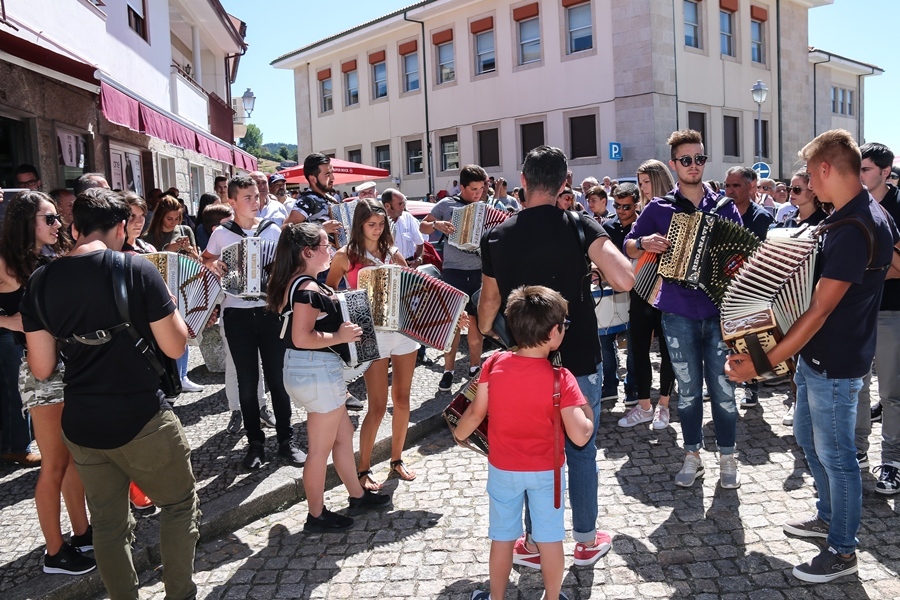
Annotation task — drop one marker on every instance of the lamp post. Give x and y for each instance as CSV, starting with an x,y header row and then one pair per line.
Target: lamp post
x,y
759,91
249,101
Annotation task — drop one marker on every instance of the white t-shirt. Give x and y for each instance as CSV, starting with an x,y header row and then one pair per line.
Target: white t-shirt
x,y
221,237
274,211
406,234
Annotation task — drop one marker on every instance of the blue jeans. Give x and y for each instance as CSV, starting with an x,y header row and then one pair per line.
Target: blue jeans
x,y
698,352
182,362
610,357
824,423
16,432
582,478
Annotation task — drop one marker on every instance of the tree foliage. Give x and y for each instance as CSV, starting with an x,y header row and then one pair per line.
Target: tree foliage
x,y
252,140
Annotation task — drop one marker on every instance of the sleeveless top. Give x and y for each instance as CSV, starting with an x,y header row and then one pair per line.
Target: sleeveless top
x,y
353,274
328,321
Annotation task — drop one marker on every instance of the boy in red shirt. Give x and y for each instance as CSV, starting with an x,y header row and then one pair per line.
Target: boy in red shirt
x,y
516,389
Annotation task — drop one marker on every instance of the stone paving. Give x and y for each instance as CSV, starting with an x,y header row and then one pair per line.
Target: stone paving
x,y
704,542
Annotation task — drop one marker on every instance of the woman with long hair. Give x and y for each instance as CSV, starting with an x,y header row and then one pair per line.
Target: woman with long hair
x,y
34,234
371,244
313,373
133,241
654,180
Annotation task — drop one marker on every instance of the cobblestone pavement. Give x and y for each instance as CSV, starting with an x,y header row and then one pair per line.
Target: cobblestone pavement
x,y
703,542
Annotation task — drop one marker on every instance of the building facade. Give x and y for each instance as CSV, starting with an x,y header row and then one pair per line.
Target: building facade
x,y
137,89
447,82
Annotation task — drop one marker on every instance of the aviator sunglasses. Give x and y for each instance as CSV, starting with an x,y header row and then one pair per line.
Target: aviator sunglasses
x,y
686,161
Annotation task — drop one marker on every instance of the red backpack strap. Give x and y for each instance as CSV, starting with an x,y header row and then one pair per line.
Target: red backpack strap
x,y
557,439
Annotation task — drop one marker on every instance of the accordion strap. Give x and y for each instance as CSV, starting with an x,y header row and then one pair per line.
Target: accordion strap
x,y
557,439
286,315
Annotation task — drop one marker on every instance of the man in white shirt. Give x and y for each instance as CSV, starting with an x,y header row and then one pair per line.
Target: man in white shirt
x,y
404,227
269,206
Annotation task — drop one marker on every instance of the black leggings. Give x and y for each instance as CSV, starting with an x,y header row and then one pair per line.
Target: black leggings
x,y
644,321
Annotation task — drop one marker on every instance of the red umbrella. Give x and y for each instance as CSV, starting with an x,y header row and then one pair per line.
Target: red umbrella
x,y
344,172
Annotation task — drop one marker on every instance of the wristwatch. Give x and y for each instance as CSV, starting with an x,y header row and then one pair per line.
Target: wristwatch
x,y
639,243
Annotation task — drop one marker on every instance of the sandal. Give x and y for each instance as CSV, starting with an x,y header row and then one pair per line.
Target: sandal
x,y
370,484
402,472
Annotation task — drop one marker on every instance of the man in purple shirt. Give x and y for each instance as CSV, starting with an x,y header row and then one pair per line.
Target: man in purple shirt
x,y
690,319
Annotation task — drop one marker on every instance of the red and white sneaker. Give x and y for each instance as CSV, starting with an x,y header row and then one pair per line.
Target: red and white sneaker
x,y
139,499
587,555
524,558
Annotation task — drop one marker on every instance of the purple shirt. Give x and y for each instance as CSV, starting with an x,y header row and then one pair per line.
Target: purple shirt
x,y
655,218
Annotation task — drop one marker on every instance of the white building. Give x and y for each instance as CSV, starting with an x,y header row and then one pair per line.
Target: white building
x,y
136,89
443,83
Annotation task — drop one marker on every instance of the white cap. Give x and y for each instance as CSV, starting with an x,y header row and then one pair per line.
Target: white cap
x,y
368,185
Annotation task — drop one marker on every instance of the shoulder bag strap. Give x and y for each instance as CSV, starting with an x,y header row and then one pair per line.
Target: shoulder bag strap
x,y
262,226
120,263
557,439
234,228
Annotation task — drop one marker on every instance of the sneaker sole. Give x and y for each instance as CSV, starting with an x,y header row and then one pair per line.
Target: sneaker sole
x,y
527,562
586,562
660,426
634,424
699,473
812,578
887,492
317,529
444,389
745,406
804,533
729,487
59,571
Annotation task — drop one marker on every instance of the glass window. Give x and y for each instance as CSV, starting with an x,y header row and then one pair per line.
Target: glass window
x,y
354,156
834,106
529,41
351,80
850,102
198,186
411,72
581,35
841,101
489,147
379,80
484,52
757,49
726,35
449,153
413,157
383,157
166,171
691,24
732,137
136,17
327,101
583,136
532,137
697,122
446,64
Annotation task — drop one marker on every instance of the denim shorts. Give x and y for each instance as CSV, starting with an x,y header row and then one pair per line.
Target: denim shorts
x,y
507,491
392,343
315,380
40,393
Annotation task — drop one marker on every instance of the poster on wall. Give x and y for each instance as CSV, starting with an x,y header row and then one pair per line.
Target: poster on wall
x,y
68,148
133,179
117,162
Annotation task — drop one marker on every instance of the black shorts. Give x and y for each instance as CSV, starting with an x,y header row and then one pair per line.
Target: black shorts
x,y
467,282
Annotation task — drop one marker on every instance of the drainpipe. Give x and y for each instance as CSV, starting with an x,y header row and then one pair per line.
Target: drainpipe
x,y
427,120
816,95
778,84
859,110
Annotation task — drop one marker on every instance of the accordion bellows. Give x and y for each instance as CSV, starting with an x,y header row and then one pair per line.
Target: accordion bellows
x,y
246,274
196,288
417,305
470,223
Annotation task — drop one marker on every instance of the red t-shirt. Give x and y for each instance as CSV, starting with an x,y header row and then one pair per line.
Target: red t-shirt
x,y
520,407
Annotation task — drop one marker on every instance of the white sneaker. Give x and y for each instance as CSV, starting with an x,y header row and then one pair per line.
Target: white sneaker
x,y
636,416
690,471
661,417
729,476
189,386
788,419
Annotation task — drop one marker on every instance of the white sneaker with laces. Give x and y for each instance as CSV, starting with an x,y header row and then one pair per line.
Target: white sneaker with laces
x,y
729,476
690,471
636,416
661,417
188,386
788,419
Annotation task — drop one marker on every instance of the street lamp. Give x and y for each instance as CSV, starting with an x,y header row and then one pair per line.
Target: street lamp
x,y
249,100
759,91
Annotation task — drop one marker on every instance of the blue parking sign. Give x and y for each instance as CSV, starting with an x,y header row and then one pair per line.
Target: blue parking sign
x,y
615,151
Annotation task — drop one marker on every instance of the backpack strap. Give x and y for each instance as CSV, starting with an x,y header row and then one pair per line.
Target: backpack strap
x,y
234,228
723,202
574,220
262,226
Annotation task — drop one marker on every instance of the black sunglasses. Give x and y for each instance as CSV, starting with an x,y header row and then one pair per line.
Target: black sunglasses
x,y
686,161
796,189
564,326
50,219
618,206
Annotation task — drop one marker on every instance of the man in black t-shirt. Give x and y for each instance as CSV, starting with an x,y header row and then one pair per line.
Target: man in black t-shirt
x,y
115,424
540,246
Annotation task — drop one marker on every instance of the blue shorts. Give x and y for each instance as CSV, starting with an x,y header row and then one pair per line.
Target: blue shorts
x,y
507,490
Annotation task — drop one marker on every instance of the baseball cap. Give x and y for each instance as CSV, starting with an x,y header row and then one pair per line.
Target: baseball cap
x,y
276,177
368,185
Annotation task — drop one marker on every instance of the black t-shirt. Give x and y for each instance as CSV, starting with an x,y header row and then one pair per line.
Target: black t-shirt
x,y
845,345
617,232
890,299
539,246
757,220
328,322
110,389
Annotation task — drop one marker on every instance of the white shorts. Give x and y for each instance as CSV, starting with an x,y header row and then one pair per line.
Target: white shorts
x,y
391,343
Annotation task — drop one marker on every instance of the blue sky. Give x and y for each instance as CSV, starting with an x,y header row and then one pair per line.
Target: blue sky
x,y
864,30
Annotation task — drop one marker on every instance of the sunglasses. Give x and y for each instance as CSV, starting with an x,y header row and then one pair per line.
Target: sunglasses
x,y
765,187
564,326
796,189
618,206
50,219
686,161
28,183
894,176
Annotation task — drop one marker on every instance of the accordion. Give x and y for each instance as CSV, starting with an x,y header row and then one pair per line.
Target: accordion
x,y
470,223
247,267
196,288
478,441
417,305
343,212
355,309
706,252
769,293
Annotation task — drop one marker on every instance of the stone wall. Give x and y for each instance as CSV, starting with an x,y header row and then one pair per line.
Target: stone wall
x,y
796,87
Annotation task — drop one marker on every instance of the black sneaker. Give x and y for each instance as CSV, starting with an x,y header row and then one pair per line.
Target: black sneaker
x,y
875,412
446,381
863,458
828,565
353,403
256,456
327,522
809,527
291,451
631,398
889,481
83,542
750,399
368,501
68,561
235,422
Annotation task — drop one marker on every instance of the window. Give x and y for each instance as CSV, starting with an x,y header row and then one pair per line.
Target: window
x,y
697,122
383,157
166,171
449,153
726,35
532,137
198,185
327,101
446,64
529,41
484,52
581,36
848,94
732,136
761,139
379,80
351,82
413,157
354,156
757,49
842,101
489,147
583,136
411,72
691,24
136,19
